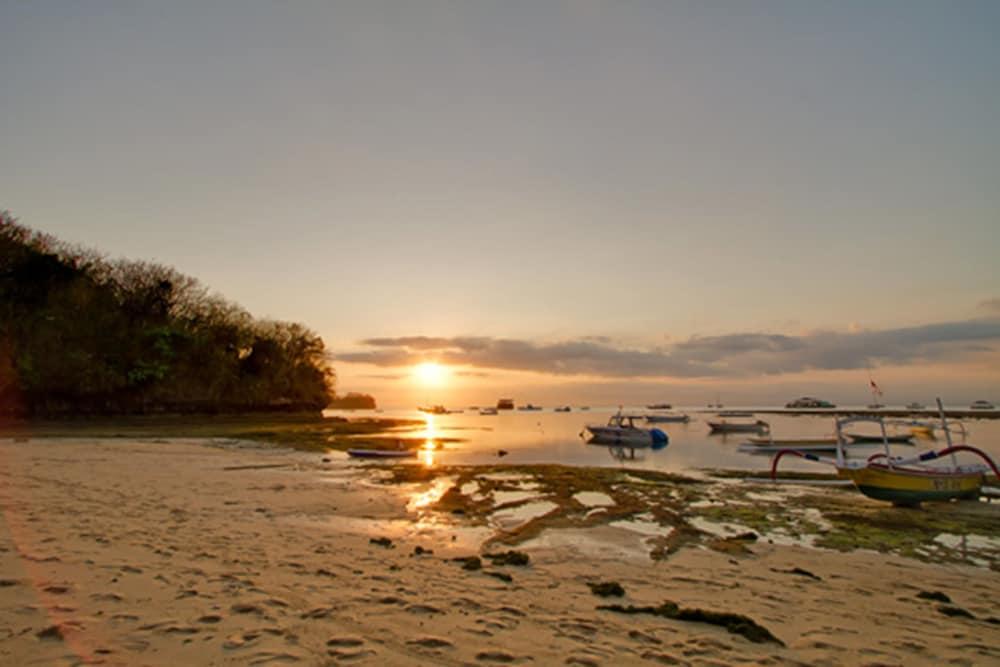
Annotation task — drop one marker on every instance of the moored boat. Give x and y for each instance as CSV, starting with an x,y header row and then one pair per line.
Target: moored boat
x,y
668,419
622,430
505,404
529,408
725,426
434,410
659,406
982,405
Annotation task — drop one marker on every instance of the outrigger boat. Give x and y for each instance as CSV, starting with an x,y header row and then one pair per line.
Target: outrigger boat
x,y
906,481
621,430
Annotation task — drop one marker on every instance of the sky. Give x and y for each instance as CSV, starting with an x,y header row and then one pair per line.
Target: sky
x,y
561,201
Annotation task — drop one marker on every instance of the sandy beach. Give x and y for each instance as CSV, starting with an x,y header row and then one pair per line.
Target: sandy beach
x,y
194,552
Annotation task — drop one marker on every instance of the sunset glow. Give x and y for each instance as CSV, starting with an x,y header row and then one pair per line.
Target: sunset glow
x,y
430,373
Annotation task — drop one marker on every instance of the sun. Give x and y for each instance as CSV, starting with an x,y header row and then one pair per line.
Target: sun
x,y
430,373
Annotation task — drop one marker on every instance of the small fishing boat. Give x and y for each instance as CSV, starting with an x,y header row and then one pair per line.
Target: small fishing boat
x,y
381,453
725,426
809,402
529,408
434,410
659,406
564,408
489,411
982,405
505,404
905,481
916,406
622,430
668,419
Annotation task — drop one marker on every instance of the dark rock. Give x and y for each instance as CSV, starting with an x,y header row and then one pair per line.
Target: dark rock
x,y
470,562
431,642
502,576
381,541
937,596
735,623
798,571
607,589
51,632
954,611
509,558
502,453
419,551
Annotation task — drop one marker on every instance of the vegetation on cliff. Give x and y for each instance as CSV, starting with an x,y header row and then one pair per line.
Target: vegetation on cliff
x,y
83,334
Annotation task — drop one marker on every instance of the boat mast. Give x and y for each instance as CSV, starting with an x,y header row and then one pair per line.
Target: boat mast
x,y
947,430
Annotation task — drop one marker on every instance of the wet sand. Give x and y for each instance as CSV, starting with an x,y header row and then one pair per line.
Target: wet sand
x,y
199,553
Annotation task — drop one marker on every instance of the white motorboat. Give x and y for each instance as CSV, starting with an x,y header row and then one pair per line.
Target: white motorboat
x,y
488,411
982,405
621,430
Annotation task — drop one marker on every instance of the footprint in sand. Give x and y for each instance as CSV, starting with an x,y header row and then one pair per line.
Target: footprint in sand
x,y
430,642
347,649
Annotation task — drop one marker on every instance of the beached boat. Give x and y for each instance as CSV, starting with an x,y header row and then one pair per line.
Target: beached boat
x,y
668,419
381,453
622,430
905,480
726,426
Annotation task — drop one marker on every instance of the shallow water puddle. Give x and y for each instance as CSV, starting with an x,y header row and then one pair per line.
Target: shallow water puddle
x,y
421,499
504,497
593,499
515,516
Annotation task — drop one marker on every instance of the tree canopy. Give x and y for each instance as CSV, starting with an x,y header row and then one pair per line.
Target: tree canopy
x,y
83,334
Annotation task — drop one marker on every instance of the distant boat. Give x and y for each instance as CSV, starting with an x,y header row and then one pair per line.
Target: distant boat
x,y
434,410
735,413
564,408
982,405
530,408
488,411
916,406
801,444
738,426
381,453
896,438
668,419
875,406
621,430
505,404
584,408
809,402
659,406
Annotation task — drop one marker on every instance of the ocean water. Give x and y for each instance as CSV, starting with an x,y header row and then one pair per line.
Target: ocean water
x,y
551,437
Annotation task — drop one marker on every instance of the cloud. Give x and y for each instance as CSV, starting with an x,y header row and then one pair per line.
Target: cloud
x,y
731,355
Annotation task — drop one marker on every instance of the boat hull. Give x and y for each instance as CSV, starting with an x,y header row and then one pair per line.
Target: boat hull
x,y
903,486
631,437
726,427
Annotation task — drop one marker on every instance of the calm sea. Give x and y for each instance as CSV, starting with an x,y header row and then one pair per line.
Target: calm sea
x,y
551,437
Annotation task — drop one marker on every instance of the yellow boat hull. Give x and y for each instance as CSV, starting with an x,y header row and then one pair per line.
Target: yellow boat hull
x,y
907,486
